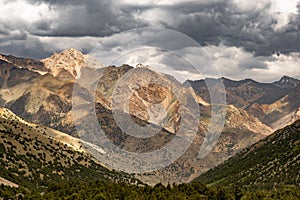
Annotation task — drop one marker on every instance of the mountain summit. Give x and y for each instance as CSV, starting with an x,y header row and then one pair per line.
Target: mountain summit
x,y
287,82
65,65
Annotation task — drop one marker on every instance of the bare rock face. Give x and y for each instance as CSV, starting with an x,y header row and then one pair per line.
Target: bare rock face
x,y
240,119
45,100
65,65
142,93
138,108
153,93
279,113
288,119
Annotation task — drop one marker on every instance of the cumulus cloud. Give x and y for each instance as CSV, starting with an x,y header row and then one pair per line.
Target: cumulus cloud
x,y
236,63
184,59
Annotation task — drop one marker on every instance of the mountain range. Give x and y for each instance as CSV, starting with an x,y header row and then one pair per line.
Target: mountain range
x,y
275,104
40,92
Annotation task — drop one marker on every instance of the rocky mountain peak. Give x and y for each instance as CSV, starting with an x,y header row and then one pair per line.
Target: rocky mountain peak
x,y
66,64
286,78
73,53
287,82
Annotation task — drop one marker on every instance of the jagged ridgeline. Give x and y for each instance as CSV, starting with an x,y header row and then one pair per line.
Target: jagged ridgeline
x,y
270,163
35,156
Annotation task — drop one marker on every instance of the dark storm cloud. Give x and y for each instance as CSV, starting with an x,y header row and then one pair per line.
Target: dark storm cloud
x,y
31,48
223,21
252,64
208,22
85,18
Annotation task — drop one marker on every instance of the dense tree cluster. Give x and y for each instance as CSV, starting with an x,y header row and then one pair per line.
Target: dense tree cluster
x,y
110,190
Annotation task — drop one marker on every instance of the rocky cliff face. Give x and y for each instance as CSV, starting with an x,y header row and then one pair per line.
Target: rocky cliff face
x,y
65,65
142,93
240,119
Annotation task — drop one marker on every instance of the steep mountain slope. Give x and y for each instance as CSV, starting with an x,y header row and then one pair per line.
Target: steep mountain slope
x,y
151,95
236,135
35,156
295,116
42,99
27,63
279,113
272,162
270,102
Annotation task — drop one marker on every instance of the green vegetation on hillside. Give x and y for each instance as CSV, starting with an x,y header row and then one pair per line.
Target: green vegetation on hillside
x,y
74,175
273,162
30,158
45,168
110,190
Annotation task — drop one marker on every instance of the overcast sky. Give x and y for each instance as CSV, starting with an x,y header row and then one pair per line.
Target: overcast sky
x,y
242,37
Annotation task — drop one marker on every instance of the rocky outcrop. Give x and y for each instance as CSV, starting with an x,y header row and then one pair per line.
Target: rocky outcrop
x,y
65,65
